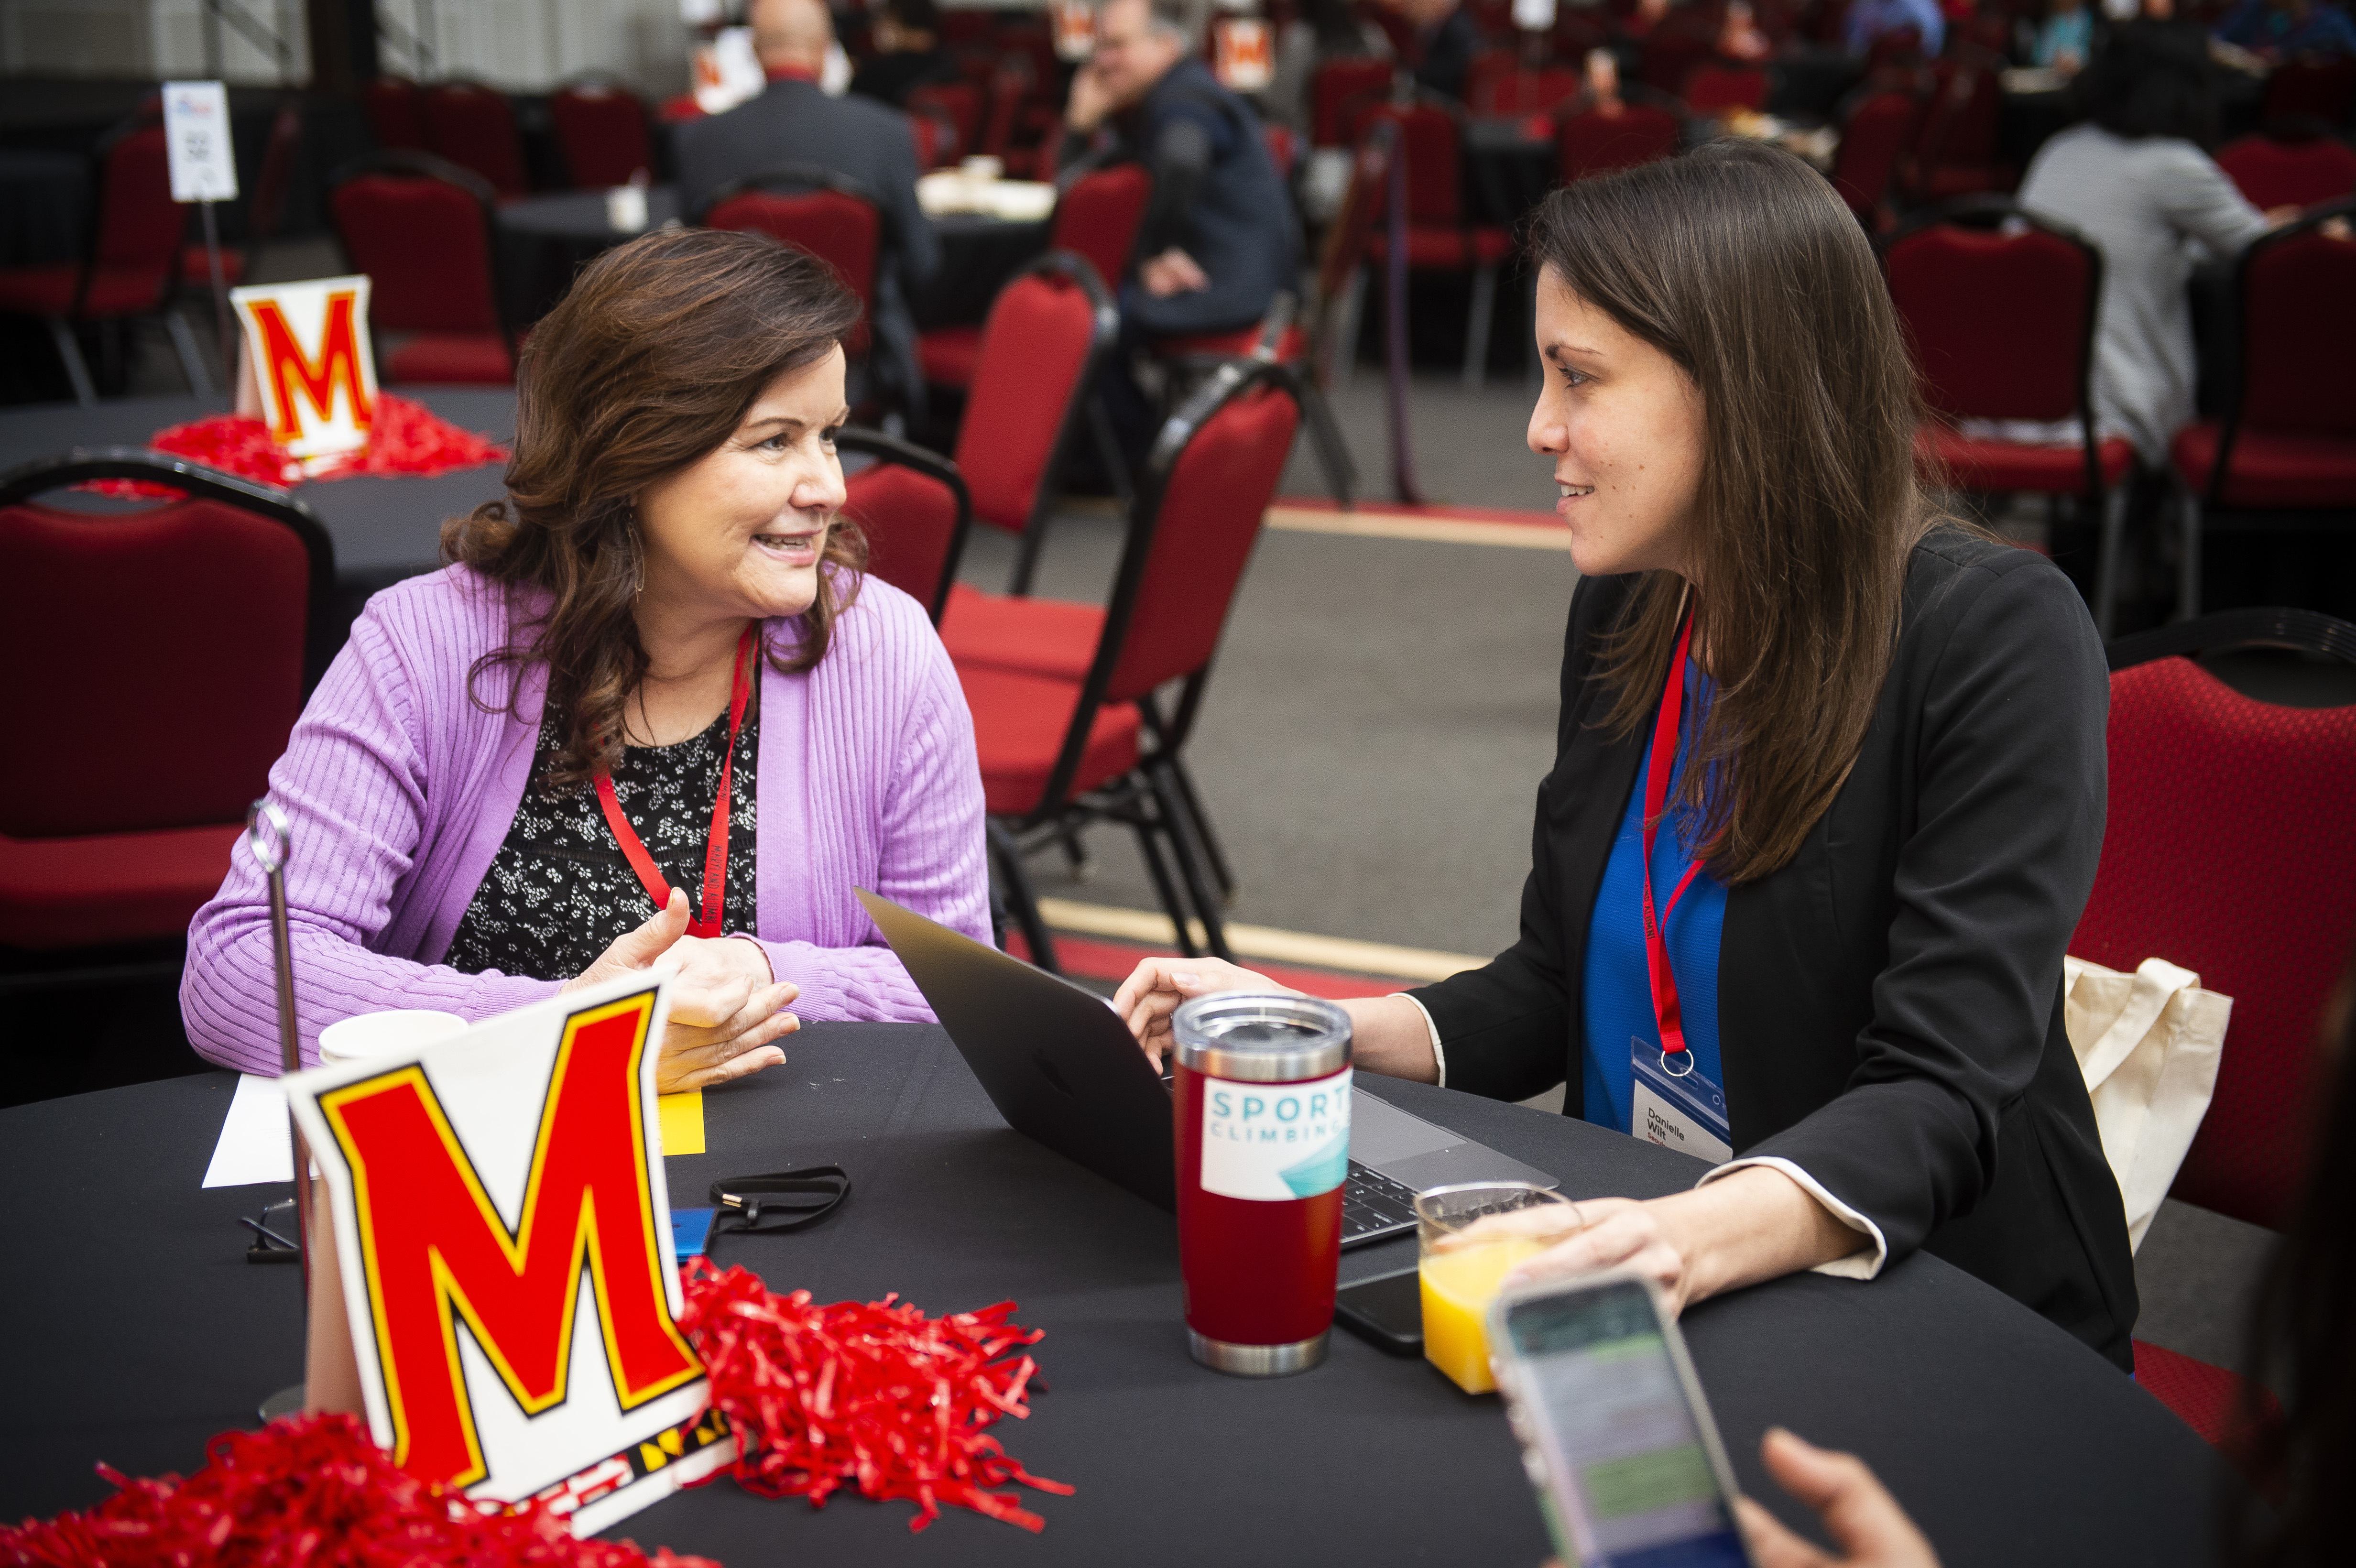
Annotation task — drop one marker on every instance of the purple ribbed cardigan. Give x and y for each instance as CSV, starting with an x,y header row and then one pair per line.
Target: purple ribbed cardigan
x,y
399,789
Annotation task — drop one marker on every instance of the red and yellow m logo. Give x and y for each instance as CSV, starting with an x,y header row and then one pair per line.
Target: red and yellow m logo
x,y
291,371
435,1250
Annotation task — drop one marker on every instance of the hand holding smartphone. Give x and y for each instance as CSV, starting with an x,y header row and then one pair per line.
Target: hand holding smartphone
x,y
1615,1434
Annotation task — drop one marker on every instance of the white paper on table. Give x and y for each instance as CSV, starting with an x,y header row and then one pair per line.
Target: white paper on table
x,y
254,1145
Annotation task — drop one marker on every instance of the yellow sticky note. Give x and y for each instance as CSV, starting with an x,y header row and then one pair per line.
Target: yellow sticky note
x,y
683,1122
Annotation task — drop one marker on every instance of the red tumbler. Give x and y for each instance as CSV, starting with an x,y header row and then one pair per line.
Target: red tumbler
x,y
1263,1136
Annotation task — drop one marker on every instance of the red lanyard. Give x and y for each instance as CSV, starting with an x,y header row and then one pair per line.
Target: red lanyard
x,y
715,853
1666,1010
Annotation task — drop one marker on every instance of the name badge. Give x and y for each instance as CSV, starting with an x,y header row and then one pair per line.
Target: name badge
x,y
1682,1111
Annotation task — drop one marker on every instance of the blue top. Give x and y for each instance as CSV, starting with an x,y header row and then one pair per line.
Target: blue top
x,y
2255,24
1868,19
1616,991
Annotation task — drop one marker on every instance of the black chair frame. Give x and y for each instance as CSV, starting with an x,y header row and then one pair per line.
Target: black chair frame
x,y
1155,799
2109,505
426,166
885,448
321,633
2204,507
2229,631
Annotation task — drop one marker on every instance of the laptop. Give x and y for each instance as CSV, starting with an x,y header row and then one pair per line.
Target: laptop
x,y
1062,1068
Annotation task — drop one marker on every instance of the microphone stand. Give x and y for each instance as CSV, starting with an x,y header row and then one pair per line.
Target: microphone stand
x,y
266,837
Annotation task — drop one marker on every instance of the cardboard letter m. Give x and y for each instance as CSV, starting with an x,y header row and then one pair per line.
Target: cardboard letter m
x,y
504,1240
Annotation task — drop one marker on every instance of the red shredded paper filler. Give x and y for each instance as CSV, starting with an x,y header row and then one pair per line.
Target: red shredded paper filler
x,y
312,1490
875,1394
405,439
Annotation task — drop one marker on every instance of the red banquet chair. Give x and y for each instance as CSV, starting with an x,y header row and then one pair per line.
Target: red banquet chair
x,y
128,266
1954,151
2309,92
913,506
601,129
1871,144
1441,237
474,127
1049,329
2229,849
396,114
1057,753
831,215
423,232
1715,89
2273,173
1340,91
2284,457
1593,142
101,848
1500,83
958,102
2002,325
1097,218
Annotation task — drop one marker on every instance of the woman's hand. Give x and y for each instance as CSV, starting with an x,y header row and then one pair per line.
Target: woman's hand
x,y
724,1007
1755,1225
1857,1511
1156,986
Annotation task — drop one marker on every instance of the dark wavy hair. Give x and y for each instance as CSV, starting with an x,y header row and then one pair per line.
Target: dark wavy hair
x,y
1738,262
650,361
2150,78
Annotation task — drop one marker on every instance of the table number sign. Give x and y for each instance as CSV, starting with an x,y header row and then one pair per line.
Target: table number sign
x,y
314,372
1073,26
503,1241
197,149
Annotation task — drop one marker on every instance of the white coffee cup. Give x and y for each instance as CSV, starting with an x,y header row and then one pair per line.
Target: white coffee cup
x,y
983,168
625,209
396,1028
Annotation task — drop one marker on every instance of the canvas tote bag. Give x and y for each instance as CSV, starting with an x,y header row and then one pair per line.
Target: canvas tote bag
x,y
2149,1044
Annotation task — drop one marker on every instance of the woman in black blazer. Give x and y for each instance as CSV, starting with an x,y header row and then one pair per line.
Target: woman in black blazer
x,y
1863,892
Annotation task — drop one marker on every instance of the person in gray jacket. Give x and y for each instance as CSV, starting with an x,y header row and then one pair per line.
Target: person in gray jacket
x,y
793,122
2132,177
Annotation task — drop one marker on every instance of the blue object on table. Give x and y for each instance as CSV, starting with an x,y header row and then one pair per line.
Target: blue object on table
x,y
689,1229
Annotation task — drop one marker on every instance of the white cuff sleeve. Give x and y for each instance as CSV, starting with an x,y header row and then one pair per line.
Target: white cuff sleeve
x,y
1863,1263
1439,1056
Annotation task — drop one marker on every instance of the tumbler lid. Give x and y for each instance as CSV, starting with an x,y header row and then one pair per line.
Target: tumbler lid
x,y
1257,1039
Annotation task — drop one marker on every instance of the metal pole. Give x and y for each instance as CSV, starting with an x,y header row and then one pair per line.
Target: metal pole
x,y
1395,379
266,835
220,303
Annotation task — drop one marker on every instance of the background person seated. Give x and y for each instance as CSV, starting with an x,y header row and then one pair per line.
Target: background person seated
x,y
506,782
2284,29
1446,41
793,122
1219,239
1868,19
908,53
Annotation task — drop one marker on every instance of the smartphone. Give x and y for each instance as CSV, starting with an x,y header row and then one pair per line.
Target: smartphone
x,y
1615,1434
1386,1310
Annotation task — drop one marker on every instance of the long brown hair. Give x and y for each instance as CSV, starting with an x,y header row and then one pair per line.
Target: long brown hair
x,y
1741,264
648,365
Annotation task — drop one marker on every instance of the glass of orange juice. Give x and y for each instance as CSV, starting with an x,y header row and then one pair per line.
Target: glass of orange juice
x,y
1460,1274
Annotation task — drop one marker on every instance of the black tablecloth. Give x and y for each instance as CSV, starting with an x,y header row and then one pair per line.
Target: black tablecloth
x,y
978,255
545,240
383,529
135,1330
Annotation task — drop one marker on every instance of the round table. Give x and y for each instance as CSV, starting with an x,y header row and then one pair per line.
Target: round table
x,y
139,1331
383,529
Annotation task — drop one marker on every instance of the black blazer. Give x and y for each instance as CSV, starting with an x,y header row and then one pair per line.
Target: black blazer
x,y
1889,1002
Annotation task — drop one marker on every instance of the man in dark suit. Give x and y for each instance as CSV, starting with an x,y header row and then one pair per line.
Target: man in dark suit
x,y
1219,239
794,122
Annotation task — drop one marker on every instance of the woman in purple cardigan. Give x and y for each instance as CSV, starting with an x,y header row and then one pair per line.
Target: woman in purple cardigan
x,y
511,779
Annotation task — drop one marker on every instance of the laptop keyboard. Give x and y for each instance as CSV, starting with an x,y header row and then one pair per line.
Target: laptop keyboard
x,y
1374,1205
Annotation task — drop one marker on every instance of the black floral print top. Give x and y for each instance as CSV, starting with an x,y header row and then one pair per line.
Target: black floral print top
x,y
560,892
